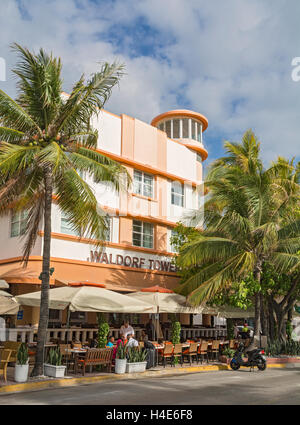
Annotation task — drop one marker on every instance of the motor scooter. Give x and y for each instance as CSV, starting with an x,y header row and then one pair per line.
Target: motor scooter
x,y
255,358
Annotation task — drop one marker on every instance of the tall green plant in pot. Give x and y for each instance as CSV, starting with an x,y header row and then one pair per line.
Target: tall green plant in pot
x,y
176,330
121,359
22,364
54,366
103,330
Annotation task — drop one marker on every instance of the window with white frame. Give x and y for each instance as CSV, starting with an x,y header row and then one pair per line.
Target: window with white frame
x,y
177,194
173,234
108,232
142,234
143,184
66,226
18,223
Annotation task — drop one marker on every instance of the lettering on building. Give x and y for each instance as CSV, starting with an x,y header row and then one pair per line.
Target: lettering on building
x,y
132,261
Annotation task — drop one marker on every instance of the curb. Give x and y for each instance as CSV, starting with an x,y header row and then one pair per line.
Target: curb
x,y
57,383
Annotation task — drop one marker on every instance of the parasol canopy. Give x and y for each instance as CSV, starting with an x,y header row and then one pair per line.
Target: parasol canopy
x,y
8,305
165,301
87,297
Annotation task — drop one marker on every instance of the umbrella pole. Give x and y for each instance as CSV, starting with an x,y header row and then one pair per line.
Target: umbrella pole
x,y
68,326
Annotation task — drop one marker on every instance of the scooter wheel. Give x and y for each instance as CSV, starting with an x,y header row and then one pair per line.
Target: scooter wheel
x,y
262,366
234,365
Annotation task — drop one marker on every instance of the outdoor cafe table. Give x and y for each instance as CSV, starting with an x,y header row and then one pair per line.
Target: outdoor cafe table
x,y
75,352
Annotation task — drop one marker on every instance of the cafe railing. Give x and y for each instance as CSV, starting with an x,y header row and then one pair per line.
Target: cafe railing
x,y
26,334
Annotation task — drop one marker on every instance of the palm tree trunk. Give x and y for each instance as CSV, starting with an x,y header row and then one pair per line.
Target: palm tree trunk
x,y
44,308
257,323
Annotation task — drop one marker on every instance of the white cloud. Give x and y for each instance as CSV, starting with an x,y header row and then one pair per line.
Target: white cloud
x,y
229,60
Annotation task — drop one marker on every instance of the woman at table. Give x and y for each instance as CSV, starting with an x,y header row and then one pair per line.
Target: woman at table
x,y
110,342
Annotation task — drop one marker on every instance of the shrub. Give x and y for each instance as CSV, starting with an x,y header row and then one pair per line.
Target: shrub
x,y
121,352
228,352
135,355
22,355
55,357
289,348
103,330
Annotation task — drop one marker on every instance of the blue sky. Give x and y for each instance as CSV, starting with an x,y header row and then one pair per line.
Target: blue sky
x,y
230,61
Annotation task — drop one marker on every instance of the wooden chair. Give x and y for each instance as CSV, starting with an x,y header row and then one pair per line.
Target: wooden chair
x,y
66,355
177,352
167,353
232,344
5,358
14,347
214,350
192,352
202,350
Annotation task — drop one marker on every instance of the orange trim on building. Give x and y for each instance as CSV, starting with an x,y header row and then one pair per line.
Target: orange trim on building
x,y
124,246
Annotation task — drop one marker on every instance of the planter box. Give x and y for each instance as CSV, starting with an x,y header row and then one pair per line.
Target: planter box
x,y
224,359
136,367
21,372
120,366
54,371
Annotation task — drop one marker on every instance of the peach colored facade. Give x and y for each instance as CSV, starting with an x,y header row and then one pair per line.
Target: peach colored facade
x,y
138,252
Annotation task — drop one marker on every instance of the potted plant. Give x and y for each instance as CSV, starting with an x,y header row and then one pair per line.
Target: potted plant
x,y
22,364
136,360
227,355
54,367
121,360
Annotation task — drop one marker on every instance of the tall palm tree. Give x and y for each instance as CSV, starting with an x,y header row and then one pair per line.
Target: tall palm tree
x,y
246,223
46,143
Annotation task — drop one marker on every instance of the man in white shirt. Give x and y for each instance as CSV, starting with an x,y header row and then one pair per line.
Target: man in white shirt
x,y
126,329
131,341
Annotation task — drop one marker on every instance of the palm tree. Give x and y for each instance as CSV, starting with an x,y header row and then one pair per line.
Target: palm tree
x,y
47,142
246,223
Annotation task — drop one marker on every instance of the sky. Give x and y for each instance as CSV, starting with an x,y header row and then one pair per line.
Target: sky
x,y
229,60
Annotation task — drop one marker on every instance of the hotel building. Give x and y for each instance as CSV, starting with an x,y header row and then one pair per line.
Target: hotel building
x,y
164,160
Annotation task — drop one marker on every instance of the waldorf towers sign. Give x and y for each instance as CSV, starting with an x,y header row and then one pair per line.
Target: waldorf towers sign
x,y
135,261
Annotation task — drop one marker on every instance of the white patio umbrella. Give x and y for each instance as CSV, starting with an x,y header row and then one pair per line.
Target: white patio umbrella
x,y
3,284
8,305
234,312
87,298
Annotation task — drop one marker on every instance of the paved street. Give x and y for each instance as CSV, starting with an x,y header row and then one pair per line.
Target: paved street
x,y
274,386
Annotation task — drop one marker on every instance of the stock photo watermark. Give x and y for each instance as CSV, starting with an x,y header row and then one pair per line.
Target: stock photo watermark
x,y
2,69
296,71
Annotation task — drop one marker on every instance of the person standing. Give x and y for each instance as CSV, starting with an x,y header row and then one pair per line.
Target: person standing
x,y
126,329
236,331
150,330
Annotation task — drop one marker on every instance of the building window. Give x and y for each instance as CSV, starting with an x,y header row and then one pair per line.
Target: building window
x,y
199,158
185,128
177,194
142,234
108,232
176,134
77,317
66,226
172,235
143,184
168,129
18,223
55,315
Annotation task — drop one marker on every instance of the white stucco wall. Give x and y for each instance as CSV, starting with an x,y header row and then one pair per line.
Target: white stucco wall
x,y
13,247
181,161
109,128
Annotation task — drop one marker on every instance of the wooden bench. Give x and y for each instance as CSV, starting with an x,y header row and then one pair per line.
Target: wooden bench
x,y
95,357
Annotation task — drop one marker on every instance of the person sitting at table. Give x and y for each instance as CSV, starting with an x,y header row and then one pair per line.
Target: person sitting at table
x,y
126,329
132,342
110,342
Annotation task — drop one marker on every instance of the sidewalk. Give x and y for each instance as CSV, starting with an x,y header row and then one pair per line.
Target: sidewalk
x,y
46,382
